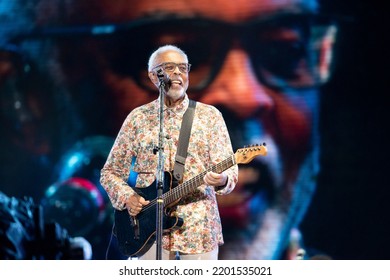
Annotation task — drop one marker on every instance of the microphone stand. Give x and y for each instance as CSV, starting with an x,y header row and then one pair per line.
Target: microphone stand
x,y
160,172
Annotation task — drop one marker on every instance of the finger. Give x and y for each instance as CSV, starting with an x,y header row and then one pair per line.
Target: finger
x,y
131,212
143,201
209,181
205,179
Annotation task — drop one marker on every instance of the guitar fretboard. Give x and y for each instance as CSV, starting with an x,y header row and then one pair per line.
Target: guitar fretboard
x,y
241,156
191,185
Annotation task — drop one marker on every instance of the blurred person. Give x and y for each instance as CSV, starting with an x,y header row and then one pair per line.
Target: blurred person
x,y
35,124
26,235
259,62
30,112
209,144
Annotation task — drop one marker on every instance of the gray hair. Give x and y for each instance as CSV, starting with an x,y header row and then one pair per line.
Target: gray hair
x,y
161,50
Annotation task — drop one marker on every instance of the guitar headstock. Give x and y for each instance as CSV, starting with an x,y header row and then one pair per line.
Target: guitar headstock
x,y
247,154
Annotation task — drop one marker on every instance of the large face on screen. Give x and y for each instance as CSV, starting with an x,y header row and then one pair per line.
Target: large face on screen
x,y
259,62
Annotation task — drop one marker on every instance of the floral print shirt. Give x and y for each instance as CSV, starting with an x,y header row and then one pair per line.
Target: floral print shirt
x,y
209,144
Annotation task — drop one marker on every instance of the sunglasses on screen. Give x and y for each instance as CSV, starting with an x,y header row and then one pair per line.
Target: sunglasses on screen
x,y
289,50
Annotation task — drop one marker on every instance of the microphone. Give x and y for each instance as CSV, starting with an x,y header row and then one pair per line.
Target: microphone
x,y
300,254
163,77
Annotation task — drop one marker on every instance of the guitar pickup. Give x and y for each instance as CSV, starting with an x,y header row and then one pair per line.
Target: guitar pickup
x,y
135,226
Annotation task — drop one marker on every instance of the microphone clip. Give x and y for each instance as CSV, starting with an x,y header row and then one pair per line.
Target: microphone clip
x,y
163,78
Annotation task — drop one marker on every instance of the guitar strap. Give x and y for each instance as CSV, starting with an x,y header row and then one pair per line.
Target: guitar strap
x,y
184,136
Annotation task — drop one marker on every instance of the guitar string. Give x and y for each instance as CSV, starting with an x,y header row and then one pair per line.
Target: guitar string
x,y
225,164
175,191
197,179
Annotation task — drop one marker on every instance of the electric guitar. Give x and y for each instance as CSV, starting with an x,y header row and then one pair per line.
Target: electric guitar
x,y
136,235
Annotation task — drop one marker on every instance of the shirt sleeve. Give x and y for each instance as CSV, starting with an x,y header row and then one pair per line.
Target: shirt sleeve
x,y
115,172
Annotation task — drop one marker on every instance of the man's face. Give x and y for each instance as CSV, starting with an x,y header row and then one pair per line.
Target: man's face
x,y
258,71
178,78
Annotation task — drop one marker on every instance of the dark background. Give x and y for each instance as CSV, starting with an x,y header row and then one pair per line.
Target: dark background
x,y
349,214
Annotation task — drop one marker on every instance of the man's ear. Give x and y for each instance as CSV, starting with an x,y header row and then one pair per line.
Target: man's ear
x,y
153,77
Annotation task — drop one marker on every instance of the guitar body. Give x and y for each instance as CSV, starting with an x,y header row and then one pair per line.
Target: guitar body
x,y
136,235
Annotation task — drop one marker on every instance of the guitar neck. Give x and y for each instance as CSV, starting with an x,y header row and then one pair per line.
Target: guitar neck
x,y
191,185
